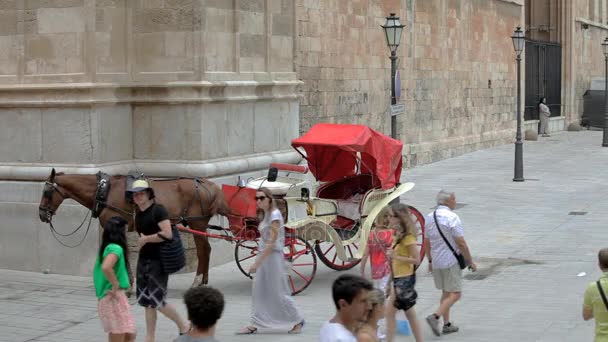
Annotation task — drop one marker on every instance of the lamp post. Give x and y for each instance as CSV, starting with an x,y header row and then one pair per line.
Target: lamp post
x,y
605,137
392,31
518,43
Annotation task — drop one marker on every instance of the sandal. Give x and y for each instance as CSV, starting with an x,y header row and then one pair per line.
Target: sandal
x,y
247,331
297,329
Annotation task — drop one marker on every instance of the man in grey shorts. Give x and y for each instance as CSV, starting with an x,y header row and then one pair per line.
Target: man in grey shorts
x,y
442,262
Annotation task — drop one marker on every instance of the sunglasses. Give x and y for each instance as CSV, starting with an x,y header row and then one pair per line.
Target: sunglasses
x,y
260,198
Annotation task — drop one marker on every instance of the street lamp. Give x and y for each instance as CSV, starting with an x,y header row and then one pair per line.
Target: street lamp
x,y
518,43
392,31
605,138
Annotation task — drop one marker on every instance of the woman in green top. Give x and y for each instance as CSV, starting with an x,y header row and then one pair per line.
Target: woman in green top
x,y
111,278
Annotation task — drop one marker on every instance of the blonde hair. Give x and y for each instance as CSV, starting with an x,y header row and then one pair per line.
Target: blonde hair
x,y
406,224
376,297
382,219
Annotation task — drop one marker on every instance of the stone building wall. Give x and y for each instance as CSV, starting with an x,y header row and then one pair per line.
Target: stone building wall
x,y
203,88
457,67
589,29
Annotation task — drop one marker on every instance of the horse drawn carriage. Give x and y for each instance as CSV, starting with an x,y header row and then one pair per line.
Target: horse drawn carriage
x,y
356,172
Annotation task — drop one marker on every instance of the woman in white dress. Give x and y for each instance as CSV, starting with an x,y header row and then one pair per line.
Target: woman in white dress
x,y
272,304
543,114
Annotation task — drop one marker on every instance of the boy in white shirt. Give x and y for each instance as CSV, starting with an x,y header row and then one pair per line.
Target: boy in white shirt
x,y
350,294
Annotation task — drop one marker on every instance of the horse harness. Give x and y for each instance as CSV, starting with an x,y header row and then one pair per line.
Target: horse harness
x,y
102,193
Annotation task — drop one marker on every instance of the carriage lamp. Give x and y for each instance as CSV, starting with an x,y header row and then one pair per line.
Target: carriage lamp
x,y
392,30
605,136
519,41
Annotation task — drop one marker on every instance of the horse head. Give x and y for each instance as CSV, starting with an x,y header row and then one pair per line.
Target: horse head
x,y
52,197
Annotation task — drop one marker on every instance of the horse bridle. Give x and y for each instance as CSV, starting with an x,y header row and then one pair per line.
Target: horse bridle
x,y
47,193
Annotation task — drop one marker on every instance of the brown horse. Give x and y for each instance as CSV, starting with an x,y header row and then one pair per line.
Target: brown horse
x,y
196,200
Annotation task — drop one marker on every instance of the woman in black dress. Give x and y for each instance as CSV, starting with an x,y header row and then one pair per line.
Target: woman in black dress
x,y
151,219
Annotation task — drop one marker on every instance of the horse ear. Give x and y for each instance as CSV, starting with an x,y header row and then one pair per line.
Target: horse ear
x,y
52,177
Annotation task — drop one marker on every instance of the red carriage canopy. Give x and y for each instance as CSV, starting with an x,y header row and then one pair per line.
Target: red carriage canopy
x,y
333,152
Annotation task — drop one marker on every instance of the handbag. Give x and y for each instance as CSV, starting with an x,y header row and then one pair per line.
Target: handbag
x,y
172,254
459,257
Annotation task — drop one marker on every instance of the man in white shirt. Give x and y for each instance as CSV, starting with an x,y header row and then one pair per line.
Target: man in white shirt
x,y
350,294
442,261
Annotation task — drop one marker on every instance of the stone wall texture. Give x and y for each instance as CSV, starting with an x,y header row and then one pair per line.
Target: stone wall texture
x,y
199,88
456,62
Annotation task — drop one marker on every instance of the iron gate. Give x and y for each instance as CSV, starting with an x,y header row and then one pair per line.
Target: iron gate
x,y
543,77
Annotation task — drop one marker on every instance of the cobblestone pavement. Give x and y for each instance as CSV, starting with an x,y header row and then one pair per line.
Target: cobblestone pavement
x,y
528,244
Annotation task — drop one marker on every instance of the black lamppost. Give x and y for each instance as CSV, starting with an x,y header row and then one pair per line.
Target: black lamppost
x,y
392,31
605,138
518,43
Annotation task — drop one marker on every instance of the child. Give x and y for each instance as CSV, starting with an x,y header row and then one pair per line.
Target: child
x,y
404,257
379,242
111,279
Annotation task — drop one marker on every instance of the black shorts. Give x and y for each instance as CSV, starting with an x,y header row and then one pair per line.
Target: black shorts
x,y
151,283
405,294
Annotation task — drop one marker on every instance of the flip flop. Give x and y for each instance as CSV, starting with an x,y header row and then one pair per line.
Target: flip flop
x,y
293,330
247,331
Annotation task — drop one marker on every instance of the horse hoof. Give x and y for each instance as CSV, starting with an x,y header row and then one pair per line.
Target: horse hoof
x,y
198,280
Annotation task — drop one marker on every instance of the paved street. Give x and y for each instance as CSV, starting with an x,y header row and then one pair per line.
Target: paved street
x,y
528,246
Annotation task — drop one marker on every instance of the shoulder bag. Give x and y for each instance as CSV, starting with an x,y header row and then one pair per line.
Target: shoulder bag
x,y
599,287
172,255
459,257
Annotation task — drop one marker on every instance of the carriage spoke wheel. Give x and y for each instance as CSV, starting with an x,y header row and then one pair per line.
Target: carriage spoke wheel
x,y
326,251
245,252
419,222
300,261
301,264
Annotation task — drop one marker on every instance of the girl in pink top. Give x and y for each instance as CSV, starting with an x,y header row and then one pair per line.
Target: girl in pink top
x,y
379,242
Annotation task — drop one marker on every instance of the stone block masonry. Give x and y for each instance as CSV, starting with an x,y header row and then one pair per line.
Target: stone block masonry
x,y
456,62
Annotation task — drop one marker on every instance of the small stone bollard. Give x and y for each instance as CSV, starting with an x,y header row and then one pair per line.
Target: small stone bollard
x,y
574,127
531,135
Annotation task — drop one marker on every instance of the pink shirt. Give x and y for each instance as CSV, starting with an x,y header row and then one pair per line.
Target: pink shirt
x,y
379,243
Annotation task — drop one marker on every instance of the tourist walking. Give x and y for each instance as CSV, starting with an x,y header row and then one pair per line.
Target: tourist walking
x,y
205,306
350,294
543,115
111,279
152,221
379,242
405,258
272,304
595,303
447,254
368,331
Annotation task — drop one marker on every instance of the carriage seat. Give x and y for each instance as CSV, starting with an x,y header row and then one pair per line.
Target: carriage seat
x,y
349,208
276,188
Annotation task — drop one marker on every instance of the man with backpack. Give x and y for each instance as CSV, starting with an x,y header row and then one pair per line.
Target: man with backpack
x,y
595,304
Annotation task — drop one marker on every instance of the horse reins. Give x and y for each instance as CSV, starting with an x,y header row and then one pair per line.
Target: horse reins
x,y
49,189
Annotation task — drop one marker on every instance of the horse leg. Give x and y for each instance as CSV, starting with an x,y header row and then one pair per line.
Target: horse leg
x,y
203,253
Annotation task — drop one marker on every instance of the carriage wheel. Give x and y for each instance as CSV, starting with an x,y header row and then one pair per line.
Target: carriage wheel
x,y
326,251
245,252
301,262
419,221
